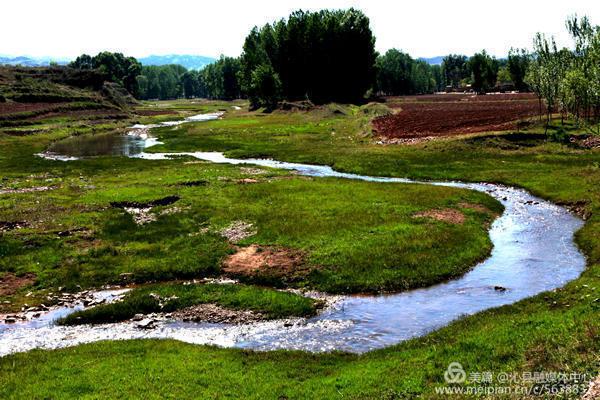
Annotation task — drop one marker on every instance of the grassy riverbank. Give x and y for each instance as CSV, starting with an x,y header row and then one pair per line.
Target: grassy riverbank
x,y
76,230
176,296
557,331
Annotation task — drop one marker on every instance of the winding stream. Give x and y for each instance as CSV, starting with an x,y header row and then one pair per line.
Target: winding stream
x,y
533,252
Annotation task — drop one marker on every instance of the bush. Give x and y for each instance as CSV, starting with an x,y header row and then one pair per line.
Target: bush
x,y
559,135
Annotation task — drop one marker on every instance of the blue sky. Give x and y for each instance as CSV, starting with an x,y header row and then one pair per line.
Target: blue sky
x,y
67,28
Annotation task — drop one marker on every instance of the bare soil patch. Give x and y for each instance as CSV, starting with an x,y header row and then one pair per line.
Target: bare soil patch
x,y
87,115
11,283
141,211
213,313
445,214
444,115
247,180
237,231
27,190
586,141
593,391
475,207
14,108
252,171
580,208
256,260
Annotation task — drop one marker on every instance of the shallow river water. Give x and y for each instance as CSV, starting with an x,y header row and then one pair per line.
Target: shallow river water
x,y
533,252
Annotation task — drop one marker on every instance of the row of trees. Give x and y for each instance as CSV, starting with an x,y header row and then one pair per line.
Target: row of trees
x,y
568,80
254,76
400,74
218,80
484,72
160,82
325,56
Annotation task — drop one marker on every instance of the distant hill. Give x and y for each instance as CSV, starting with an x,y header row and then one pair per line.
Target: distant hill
x,y
31,61
433,60
27,92
188,61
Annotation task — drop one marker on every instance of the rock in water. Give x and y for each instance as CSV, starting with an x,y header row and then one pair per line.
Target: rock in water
x,y
146,324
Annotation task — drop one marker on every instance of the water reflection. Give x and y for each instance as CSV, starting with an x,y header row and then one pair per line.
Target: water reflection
x,y
102,144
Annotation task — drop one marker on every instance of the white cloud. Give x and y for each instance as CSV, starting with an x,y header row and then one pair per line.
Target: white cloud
x,y
66,28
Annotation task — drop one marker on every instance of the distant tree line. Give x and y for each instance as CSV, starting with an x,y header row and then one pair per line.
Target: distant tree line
x,y
482,72
218,80
160,82
324,56
115,66
400,74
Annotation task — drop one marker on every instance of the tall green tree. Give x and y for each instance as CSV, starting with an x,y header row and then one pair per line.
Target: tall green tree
x,y
517,65
545,72
484,71
455,69
322,56
220,79
394,73
584,67
190,84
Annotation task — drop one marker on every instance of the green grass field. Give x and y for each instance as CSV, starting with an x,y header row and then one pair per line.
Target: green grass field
x,y
363,238
557,331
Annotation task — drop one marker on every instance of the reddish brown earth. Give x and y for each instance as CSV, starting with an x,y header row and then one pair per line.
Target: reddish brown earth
x,y
593,392
452,114
476,207
39,111
83,115
254,260
13,107
445,215
10,283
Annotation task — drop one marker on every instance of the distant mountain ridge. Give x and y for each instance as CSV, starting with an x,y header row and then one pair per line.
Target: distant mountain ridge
x,y
433,60
188,61
31,61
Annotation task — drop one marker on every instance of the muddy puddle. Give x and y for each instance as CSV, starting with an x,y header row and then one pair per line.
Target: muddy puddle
x,y
115,144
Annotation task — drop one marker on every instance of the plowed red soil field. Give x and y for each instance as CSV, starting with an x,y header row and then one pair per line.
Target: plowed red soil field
x,y
453,114
13,108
